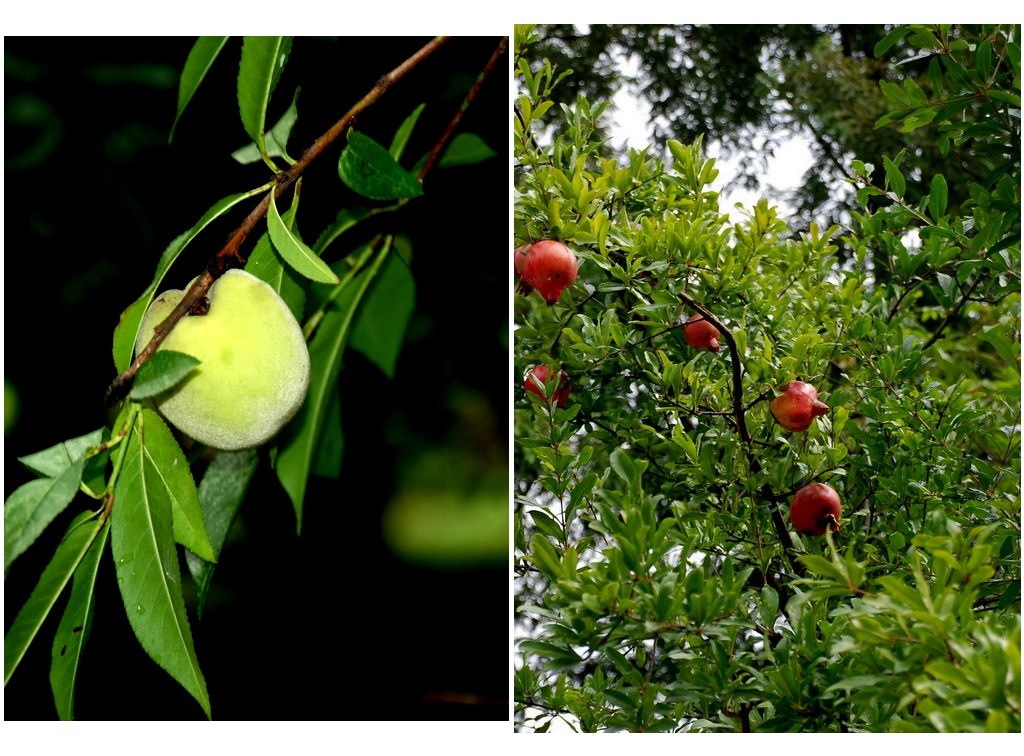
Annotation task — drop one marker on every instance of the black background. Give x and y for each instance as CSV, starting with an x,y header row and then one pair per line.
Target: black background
x,y
323,625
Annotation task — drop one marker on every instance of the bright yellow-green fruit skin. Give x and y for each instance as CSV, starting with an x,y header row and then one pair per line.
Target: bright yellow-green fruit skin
x,y
254,365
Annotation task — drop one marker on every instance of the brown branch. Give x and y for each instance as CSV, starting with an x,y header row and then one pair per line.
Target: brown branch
x,y
230,255
435,153
739,413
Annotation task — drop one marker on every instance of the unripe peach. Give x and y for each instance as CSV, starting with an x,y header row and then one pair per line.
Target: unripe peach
x,y
815,509
547,266
797,406
700,334
537,378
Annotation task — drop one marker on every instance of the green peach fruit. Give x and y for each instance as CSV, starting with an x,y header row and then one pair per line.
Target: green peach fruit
x,y
254,365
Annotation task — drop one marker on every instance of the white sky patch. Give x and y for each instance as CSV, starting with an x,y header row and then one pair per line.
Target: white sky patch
x,y
629,128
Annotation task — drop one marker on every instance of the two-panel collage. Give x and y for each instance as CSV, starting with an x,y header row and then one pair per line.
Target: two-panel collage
x,y
733,445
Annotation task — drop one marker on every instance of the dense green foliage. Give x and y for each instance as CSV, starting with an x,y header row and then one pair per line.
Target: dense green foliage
x,y
749,87
658,584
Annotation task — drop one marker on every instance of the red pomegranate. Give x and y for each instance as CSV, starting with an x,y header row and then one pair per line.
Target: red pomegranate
x,y
797,406
537,378
815,509
547,266
700,334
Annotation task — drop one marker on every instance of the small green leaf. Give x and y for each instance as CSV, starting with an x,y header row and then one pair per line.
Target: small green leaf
x,y
404,132
303,259
263,59
938,196
163,370
75,626
367,168
142,537
894,177
58,458
221,494
200,60
379,330
51,584
465,149
276,138
266,264
346,219
33,506
886,42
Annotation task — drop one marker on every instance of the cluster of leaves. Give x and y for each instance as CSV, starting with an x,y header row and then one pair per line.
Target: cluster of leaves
x,y
749,86
146,498
658,585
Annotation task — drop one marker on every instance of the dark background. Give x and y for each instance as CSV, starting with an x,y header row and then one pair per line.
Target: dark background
x,y
328,624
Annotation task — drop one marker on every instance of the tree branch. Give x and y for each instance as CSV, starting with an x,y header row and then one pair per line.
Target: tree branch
x,y
230,255
739,413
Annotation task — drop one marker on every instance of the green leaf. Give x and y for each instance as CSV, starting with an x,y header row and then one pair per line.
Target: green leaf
x,y
173,473
367,168
142,537
33,506
127,329
346,219
303,259
938,196
301,436
198,63
276,139
894,177
58,572
75,626
221,494
58,458
266,264
163,370
465,149
332,442
404,132
886,42
263,59
379,330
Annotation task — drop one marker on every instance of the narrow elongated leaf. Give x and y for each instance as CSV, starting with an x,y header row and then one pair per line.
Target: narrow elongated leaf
x,y
938,196
894,176
199,61
465,149
173,473
162,371
266,264
401,137
347,218
58,572
370,170
75,626
221,493
127,329
298,446
33,506
276,140
59,457
304,260
331,446
263,59
142,538
379,330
